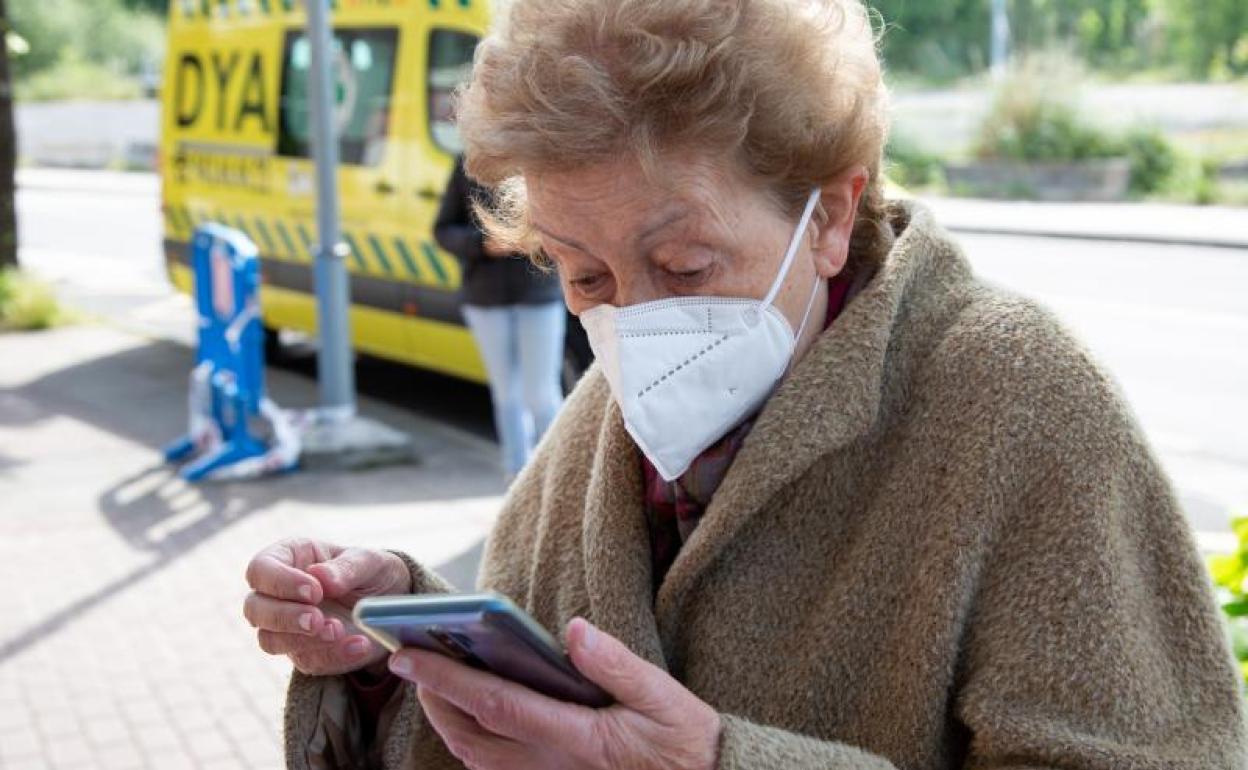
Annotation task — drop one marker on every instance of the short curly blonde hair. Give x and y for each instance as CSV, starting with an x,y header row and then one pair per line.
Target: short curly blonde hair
x,y
793,89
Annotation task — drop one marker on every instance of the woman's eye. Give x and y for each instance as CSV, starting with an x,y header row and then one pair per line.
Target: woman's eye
x,y
690,277
587,283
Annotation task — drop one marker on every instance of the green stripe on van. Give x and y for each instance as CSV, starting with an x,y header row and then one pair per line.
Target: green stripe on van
x,y
308,243
269,244
409,261
431,256
241,224
284,234
357,255
380,251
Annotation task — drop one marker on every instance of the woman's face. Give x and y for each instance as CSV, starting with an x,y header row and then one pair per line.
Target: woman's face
x,y
620,238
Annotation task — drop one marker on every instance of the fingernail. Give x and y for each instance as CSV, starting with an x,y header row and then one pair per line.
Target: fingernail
x,y
305,621
590,637
327,633
357,647
305,591
400,665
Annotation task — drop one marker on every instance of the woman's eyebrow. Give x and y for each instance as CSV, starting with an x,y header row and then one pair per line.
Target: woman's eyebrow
x,y
667,221
662,224
561,239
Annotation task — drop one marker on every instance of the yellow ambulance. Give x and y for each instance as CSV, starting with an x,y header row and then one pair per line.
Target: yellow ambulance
x,y
235,150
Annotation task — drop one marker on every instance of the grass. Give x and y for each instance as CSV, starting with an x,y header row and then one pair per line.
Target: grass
x,y
27,304
72,79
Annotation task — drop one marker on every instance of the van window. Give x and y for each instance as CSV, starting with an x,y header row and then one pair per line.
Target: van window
x,y
363,65
450,65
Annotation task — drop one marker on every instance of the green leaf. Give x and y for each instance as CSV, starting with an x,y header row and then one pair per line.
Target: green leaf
x,y
1240,528
1228,572
1236,609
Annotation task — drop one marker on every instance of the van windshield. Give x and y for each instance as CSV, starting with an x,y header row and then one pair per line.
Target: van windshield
x,y
363,66
450,65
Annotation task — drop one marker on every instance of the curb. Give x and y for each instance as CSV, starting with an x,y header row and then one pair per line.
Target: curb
x,y
1110,237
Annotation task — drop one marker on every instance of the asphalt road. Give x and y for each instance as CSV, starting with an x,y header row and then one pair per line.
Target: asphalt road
x,y
1169,322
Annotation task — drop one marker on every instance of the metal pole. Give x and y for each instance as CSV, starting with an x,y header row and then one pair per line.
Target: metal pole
x,y
1000,37
337,375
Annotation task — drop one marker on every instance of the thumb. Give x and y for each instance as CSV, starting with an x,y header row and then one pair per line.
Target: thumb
x,y
345,572
608,663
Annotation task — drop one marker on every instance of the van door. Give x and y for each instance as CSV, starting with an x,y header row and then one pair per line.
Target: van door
x,y
364,62
444,62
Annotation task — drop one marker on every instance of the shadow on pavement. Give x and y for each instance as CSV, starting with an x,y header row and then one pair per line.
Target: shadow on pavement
x,y
139,394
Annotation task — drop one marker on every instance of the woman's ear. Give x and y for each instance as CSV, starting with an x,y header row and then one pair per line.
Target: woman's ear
x,y
834,227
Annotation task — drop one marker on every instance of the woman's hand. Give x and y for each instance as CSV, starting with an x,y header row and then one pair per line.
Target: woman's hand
x,y
490,723
291,577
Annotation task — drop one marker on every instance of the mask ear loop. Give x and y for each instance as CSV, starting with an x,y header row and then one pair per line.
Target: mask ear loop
x,y
810,305
796,243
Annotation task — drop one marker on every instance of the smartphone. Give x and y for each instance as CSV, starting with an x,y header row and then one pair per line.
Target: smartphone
x,y
486,631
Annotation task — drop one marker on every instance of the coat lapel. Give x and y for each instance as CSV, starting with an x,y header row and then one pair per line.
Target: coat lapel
x,y
617,543
830,399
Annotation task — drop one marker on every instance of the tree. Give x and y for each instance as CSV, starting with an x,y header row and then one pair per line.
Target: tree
x,y
942,40
1211,36
154,6
8,152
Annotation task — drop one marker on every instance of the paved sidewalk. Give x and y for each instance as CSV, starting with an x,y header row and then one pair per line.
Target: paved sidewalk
x,y
1217,226
122,643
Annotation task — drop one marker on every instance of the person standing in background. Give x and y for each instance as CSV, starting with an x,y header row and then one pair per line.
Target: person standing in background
x,y
517,316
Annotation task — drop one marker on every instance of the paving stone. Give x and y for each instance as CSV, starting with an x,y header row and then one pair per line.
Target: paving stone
x,y
126,646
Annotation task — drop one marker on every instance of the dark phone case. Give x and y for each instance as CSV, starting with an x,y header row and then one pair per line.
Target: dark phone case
x,y
487,631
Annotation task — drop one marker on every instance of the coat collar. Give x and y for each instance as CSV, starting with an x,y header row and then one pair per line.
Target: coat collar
x,y
832,398
616,541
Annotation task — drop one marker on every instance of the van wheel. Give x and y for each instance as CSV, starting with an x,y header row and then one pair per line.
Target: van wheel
x,y
274,351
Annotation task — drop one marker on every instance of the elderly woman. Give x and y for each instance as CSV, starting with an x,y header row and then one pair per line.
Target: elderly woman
x,y
826,501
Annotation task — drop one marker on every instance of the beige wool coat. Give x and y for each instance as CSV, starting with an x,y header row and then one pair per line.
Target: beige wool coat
x,y
944,544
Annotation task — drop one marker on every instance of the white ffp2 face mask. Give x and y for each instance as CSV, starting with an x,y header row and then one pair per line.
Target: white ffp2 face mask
x,y
686,370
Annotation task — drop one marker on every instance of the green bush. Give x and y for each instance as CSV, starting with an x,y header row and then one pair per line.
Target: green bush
x,y
26,304
1230,575
1035,119
1194,180
1034,116
1041,133
909,165
74,79
74,37
1153,160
